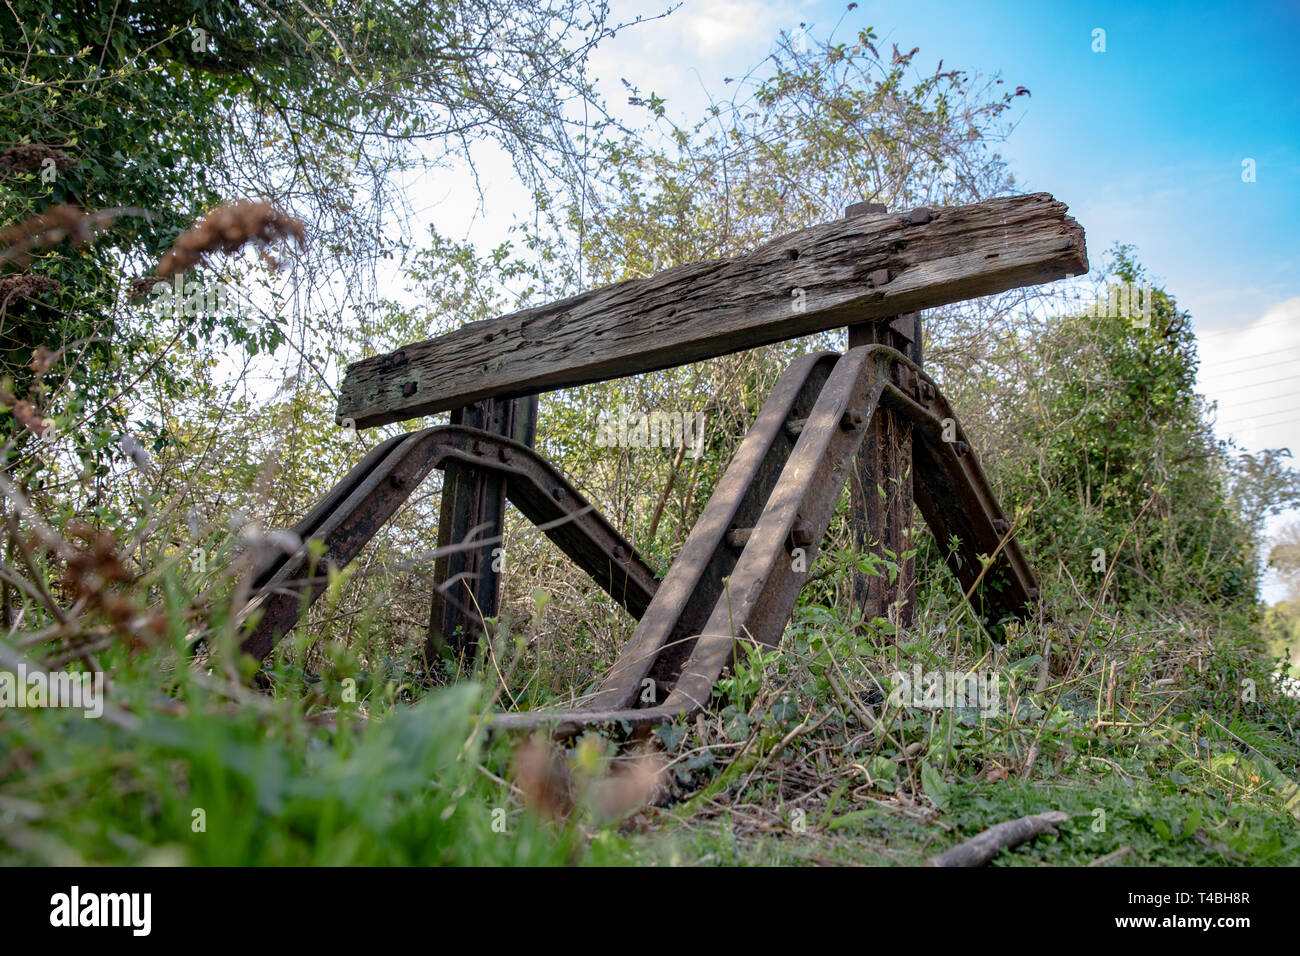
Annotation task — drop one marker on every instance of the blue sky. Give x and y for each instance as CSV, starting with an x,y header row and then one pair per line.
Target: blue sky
x,y
1145,142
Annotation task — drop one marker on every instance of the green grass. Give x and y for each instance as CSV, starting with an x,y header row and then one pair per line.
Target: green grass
x,y
803,761
231,786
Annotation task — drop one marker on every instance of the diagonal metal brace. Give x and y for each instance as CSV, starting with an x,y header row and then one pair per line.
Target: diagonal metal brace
x,y
764,584
957,502
355,509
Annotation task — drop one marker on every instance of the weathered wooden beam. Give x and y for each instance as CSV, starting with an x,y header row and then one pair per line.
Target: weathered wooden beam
x,y
880,486
880,496
467,585
836,274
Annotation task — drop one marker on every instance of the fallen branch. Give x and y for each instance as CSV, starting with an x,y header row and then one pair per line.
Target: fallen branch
x,y
979,850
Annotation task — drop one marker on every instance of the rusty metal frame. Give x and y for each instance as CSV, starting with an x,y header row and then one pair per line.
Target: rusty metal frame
x,y
665,636
737,578
355,509
764,584
957,502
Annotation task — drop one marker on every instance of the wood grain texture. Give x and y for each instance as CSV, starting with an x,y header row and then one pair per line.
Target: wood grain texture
x,y
880,485
466,589
850,270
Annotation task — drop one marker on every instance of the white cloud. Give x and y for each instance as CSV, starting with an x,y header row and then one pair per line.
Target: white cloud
x,y
713,28
685,56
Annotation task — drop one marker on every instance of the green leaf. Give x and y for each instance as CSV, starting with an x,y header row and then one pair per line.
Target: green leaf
x,y
882,771
670,735
934,785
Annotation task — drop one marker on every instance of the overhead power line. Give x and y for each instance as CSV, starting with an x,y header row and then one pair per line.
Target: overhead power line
x,y
1271,381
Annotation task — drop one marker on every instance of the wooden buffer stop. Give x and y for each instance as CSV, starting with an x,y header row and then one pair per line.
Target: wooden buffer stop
x,y
870,416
